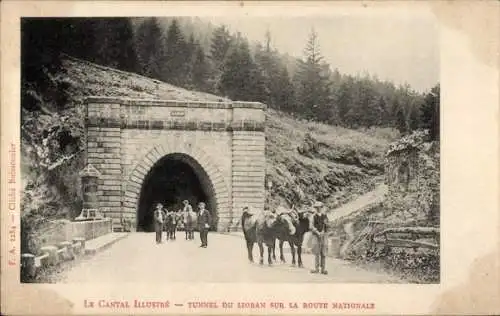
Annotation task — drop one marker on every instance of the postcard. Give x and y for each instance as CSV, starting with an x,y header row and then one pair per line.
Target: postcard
x,y
250,157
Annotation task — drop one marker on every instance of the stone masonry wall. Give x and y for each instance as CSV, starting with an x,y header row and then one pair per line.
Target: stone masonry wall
x,y
104,153
227,138
248,175
138,143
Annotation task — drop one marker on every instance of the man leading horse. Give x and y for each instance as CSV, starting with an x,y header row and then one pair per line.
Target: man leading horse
x,y
319,238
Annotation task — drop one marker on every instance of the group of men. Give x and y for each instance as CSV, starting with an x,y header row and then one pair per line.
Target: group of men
x,y
318,228
189,218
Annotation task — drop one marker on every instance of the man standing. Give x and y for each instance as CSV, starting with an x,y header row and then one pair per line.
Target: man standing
x,y
158,222
204,220
319,237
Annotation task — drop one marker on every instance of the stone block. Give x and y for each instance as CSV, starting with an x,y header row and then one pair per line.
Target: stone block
x,y
28,266
107,187
94,161
81,241
115,133
130,199
248,183
113,161
109,139
110,150
248,178
112,144
51,252
112,170
111,192
109,203
239,156
251,194
130,205
68,253
112,182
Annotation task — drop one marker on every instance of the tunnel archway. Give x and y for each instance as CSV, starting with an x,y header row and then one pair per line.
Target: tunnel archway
x,y
172,179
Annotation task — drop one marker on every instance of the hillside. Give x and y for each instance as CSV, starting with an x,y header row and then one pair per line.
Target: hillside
x,y
306,160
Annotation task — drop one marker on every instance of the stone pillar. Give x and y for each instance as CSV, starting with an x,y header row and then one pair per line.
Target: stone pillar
x,y
104,152
249,160
28,266
90,177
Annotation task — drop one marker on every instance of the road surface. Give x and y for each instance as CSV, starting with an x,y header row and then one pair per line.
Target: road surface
x,y
374,196
137,258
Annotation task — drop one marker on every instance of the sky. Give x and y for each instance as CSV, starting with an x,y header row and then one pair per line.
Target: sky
x,y
398,48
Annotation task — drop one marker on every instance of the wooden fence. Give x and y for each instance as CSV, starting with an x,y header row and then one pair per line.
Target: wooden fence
x,y
408,237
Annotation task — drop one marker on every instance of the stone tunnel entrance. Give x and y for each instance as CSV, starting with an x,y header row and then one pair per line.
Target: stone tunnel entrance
x,y
174,178
151,151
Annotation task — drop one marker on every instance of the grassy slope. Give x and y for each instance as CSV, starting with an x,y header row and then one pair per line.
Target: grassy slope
x,y
342,164
339,165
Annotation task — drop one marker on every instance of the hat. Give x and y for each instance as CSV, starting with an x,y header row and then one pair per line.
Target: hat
x,y
318,204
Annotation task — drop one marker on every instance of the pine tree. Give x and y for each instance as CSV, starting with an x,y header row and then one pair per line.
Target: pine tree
x,y
115,43
221,42
382,113
371,111
312,81
200,70
430,112
151,49
242,79
283,91
128,58
220,46
79,36
401,120
263,58
354,117
190,56
414,115
343,99
175,60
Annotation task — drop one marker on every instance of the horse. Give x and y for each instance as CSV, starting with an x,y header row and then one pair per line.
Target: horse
x,y
189,219
171,222
301,221
259,228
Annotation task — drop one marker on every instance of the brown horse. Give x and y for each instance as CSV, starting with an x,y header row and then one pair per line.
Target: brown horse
x,y
295,238
172,219
259,228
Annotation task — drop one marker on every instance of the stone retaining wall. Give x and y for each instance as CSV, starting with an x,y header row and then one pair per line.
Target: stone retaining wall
x,y
60,231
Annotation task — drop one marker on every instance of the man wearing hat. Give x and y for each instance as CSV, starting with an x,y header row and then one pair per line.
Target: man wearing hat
x,y
158,222
319,237
204,220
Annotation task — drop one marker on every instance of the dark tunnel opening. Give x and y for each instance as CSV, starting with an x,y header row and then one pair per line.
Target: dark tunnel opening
x,y
174,178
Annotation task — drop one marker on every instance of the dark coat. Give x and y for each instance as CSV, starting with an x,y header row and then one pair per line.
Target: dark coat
x,y
159,220
203,219
319,238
